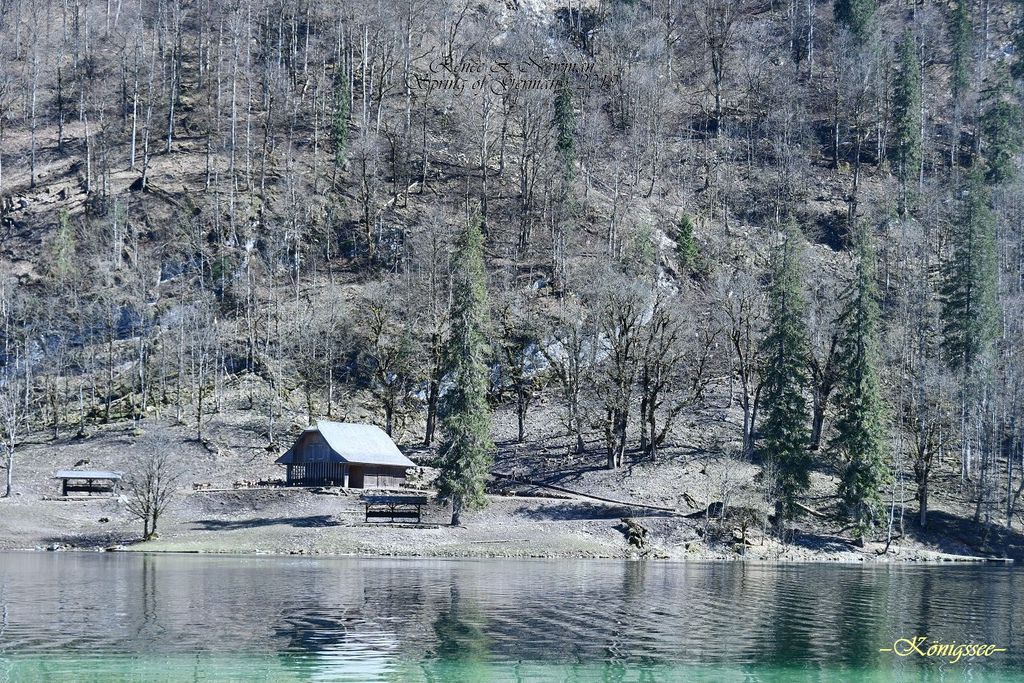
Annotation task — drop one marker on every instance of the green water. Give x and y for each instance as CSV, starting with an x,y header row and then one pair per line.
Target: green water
x,y
104,617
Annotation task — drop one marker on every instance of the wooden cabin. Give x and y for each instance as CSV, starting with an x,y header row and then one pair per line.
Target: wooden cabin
x,y
358,456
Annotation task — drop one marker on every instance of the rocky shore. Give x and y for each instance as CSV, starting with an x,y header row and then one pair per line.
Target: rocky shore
x,y
547,504
331,522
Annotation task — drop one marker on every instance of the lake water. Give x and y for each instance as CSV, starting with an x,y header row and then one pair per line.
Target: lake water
x,y
113,616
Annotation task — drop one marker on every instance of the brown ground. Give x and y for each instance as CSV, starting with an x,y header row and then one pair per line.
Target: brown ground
x,y
521,520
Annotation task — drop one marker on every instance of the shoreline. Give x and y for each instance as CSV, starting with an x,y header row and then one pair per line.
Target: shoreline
x,y
938,559
345,545
329,523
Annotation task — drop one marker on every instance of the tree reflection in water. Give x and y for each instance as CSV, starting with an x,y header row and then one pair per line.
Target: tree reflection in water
x,y
463,650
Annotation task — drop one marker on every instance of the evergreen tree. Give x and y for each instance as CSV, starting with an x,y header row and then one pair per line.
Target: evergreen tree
x,y
466,451
1017,67
686,247
969,287
64,248
565,123
960,39
1001,133
857,16
785,431
860,425
907,119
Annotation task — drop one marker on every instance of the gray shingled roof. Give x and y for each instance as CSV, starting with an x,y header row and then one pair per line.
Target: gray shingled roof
x,y
358,443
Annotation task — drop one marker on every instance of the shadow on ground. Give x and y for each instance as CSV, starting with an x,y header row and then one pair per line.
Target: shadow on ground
x,y
93,540
231,524
582,510
821,543
961,535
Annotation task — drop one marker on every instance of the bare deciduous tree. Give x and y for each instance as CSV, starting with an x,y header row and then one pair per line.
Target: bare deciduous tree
x,y
570,356
518,345
620,309
742,305
387,353
14,394
151,486
679,350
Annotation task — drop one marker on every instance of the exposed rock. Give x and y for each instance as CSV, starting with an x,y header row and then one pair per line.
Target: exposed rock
x,y
635,532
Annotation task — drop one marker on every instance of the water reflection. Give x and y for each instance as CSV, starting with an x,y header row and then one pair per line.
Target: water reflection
x,y
149,625
348,619
463,648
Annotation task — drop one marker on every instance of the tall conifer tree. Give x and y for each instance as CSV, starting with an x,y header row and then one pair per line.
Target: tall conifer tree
x,y
1001,132
467,448
785,429
686,246
860,425
969,286
960,38
565,123
906,107
857,16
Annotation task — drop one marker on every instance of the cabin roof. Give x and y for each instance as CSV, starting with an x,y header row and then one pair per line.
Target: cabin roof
x,y
358,443
86,474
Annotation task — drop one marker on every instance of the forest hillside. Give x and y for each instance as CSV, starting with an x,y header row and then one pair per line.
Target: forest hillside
x,y
776,243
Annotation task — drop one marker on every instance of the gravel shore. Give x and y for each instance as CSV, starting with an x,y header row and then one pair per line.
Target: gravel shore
x,y
664,500
329,522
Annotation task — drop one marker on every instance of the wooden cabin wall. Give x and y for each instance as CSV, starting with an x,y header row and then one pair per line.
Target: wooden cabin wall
x,y
382,477
316,473
312,447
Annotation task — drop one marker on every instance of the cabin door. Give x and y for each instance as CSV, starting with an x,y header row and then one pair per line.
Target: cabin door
x,y
355,476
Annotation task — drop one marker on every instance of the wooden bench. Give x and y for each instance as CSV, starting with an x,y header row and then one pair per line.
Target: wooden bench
x,y
394,507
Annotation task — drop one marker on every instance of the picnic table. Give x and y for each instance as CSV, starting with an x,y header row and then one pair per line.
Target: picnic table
x,y
394,507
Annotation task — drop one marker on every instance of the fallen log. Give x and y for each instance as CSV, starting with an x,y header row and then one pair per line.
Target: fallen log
x,y
560,489
811,511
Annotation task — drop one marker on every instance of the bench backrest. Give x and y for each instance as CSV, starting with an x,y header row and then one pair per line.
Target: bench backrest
x,y
394,500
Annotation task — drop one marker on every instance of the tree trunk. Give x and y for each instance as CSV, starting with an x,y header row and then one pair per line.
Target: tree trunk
x,y
652,439
521,406
110,376
818,418
749,420
609,438
922,497
456,512
645,445
432,394
621,418
199,415
753,416
10,471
